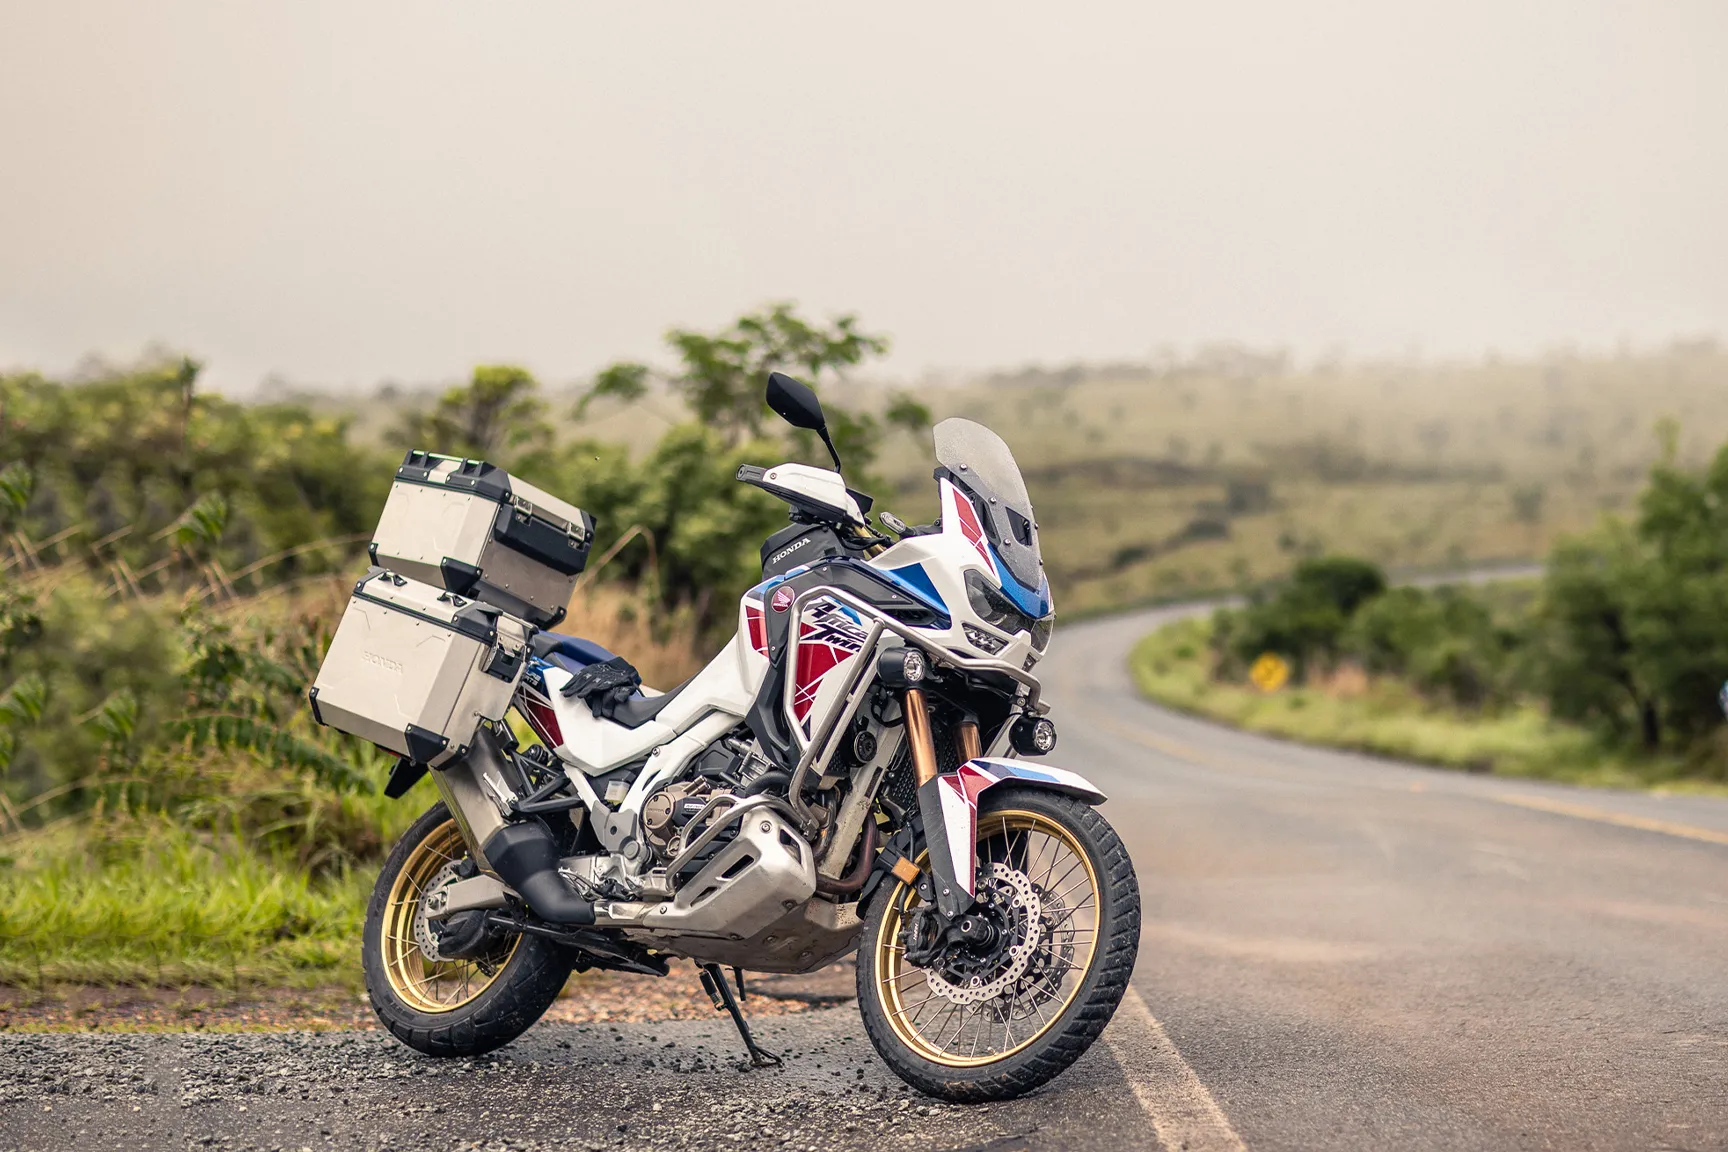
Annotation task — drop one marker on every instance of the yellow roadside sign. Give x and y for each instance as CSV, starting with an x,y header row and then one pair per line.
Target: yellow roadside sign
x,y
1270,672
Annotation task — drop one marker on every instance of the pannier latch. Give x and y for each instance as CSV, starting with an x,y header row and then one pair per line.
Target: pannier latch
x,y
502,663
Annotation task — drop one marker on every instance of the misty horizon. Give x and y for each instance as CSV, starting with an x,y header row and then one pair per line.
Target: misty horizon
x,y
341,198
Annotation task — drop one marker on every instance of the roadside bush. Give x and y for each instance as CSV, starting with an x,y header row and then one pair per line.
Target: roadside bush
x,y
1445,642
1303,620
183,711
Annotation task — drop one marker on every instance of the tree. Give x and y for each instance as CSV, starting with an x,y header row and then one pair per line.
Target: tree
x,y
1590,670
498,415
1680,594
1637,636
704,527
721,374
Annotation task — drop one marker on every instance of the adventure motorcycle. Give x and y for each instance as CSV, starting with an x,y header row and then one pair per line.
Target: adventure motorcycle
x,y
843,776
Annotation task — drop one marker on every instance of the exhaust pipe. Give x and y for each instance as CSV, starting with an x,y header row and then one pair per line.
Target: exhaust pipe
x,y
522,855
526,858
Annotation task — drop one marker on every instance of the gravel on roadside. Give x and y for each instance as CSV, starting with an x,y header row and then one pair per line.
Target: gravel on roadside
x,y
680,1084
590,997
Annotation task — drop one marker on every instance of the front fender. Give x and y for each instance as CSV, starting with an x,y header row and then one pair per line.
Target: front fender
x,y
953,797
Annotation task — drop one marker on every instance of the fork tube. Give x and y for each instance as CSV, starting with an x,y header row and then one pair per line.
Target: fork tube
x,y
952,865
967,742
918,733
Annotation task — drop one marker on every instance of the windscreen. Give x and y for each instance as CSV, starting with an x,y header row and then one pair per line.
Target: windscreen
x,y
977,461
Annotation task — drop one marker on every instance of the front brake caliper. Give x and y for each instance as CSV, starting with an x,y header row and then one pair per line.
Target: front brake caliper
x,y
922,938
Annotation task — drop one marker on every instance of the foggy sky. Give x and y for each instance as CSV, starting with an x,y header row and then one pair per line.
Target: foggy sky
x,y
348,192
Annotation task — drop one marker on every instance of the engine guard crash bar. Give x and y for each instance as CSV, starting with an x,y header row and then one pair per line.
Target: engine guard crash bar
x,y
880,622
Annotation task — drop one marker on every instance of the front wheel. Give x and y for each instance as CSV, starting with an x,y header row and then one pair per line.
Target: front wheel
x,y
461,1005
1000,1013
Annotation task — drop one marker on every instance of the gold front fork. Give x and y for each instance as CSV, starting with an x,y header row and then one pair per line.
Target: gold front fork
x,y
966,735
966,741
918,732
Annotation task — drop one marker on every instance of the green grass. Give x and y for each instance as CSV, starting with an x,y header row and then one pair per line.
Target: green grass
x,y
1173,667
172,910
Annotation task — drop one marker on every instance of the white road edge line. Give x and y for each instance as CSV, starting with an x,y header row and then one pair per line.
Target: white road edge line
x,y
1183,1113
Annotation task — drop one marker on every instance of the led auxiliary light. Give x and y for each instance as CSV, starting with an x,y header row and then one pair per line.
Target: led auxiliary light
x,y
1033,736
902,667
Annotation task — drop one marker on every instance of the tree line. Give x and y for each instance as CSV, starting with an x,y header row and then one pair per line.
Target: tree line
x,y
1626,632
142,517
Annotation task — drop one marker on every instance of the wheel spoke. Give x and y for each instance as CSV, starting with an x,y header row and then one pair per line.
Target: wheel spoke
x,y
1045,854
431,986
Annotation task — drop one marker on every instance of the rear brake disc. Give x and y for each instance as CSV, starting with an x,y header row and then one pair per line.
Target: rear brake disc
x,y
423,934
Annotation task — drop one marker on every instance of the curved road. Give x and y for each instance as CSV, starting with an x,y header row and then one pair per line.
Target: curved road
x,y
1339,952
1353,953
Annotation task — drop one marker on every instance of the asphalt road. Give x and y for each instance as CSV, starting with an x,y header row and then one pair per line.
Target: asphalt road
x,y
1345,953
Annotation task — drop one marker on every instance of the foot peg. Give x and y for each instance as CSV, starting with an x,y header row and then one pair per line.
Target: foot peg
x,y
714,983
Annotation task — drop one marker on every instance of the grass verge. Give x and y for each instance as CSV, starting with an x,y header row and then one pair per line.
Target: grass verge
x,y
1173,667
178,910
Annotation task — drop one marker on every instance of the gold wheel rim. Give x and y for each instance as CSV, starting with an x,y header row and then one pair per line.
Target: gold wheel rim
x,y
422,984
963,1037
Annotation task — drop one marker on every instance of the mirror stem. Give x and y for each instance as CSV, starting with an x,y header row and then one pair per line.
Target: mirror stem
x,y
827,440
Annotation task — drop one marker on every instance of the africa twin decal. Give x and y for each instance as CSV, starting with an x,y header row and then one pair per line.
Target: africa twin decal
x,y
828,636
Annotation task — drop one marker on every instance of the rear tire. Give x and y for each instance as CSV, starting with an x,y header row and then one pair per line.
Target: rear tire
x,y
1082,996
449,1008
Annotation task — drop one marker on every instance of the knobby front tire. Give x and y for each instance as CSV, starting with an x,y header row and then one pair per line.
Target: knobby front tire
x,y
452,1007
1037,850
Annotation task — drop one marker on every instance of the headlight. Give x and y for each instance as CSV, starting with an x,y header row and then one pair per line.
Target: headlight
x,y
992,606
979,638
998,612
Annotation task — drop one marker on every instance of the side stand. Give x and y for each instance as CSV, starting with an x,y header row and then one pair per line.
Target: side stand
x,y
714,983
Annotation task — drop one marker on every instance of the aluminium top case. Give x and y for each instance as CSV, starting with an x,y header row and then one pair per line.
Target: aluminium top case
x,y
472,528
415,668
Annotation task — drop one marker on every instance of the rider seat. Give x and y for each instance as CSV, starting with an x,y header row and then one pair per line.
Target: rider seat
x,y
572,653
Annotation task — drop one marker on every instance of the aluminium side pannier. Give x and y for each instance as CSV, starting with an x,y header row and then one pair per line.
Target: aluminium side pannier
x,y
415,668
474,529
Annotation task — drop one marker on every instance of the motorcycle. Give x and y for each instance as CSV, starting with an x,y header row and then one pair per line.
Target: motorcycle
x,y
850,773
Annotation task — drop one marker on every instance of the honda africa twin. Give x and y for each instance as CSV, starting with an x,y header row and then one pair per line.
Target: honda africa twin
x,y
848,774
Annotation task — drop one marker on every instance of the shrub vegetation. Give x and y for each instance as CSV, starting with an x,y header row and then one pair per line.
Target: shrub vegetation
x,y
172,565
1621,646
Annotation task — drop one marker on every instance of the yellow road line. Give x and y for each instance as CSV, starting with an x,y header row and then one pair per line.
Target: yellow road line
x,y
1643,823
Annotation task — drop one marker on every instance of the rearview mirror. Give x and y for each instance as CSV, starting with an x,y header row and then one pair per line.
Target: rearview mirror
x,y
794,402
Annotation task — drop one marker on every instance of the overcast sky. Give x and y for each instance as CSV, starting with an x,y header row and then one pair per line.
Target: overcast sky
x,y
347,192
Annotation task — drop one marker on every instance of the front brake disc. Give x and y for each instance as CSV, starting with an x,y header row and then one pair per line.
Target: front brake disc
x,y
1017,894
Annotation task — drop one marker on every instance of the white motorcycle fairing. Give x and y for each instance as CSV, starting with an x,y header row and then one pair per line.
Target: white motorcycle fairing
x,y
940,561
959,792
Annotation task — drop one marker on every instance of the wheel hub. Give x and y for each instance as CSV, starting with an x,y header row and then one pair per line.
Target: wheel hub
x,y
1010,902
431,904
